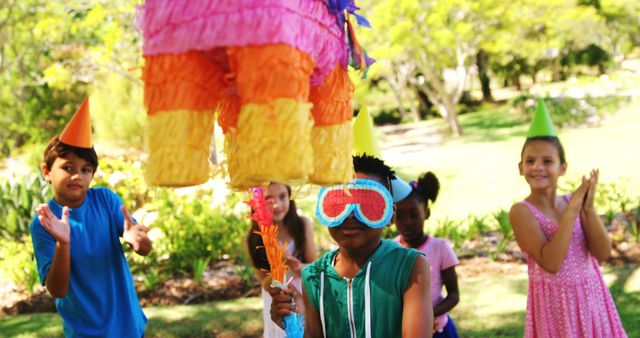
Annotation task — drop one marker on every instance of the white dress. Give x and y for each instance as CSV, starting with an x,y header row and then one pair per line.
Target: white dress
x,y
271,330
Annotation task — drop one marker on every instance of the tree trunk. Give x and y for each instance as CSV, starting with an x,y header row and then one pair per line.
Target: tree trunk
x,y
555,69
397,94
445,106
485,81
423,99
415,114
452,117
515,79
396,88
436,90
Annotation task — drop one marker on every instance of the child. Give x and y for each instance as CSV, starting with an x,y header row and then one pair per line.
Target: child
x,y
368,287
76,241
297,231
411,213
563,239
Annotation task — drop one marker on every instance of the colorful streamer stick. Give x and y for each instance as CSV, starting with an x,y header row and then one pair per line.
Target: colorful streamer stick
x,y
262,213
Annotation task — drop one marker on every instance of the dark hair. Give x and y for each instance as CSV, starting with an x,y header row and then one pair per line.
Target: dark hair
x,y
373,166
56,149
292,222
554,140
426,189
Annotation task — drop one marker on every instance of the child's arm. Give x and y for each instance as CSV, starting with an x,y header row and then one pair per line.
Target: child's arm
x,y
549,254
450,280
312,323
57,280
417,313
282,305
309,251
596,235
135,234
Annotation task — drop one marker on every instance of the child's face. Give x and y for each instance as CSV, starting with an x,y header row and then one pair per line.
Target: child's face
x,y
410,217
70,177
278,192
541,165
353,234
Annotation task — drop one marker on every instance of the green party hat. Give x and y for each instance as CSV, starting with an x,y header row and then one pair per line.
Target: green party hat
x,y
364,138
541,124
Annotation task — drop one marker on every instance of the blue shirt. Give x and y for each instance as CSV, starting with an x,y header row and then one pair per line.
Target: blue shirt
x,y
101,300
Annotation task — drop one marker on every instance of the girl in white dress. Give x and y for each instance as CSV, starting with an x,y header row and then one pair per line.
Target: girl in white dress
x,y
297,232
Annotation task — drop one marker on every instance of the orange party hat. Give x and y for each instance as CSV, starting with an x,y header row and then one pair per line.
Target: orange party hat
x,y
77,133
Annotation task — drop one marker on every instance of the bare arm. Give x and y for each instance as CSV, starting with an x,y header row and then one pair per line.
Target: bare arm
x,y
282,306
417,313
549,254
450,280
596,235
309,250
57,280
312,323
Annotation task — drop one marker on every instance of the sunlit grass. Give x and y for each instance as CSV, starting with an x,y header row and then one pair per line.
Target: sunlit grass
x,y
240,317
491,305
479,174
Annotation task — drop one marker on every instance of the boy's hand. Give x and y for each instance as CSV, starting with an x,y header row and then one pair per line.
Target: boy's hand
x,y
591,192
283,301
135,234
58,228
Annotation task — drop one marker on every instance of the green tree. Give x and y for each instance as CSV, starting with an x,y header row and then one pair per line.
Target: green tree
x,y
434,40
51,54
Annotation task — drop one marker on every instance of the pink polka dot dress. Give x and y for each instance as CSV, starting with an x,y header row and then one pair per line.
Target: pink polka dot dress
x,y
574,302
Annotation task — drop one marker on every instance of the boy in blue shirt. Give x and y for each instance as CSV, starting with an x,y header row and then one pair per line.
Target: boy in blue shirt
x,y
368,287
76,241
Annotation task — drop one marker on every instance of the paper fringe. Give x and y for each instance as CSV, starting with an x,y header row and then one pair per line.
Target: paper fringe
x,y
271,143
179,144
332,154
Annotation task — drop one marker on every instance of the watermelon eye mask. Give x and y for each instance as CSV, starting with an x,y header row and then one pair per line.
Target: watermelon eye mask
x,y
369,200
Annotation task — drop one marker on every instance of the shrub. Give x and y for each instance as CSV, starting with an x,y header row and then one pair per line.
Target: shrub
x,y
17,264
194,231
19,197
451,230
125,177
566,111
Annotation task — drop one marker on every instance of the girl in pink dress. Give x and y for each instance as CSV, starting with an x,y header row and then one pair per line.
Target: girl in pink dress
x,y
412,211
563,239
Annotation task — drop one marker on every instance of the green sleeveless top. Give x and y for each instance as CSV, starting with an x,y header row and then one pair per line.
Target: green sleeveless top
x,y
368,305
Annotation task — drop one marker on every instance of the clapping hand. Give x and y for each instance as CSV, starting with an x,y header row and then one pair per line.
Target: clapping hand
x,y
578,197
591,192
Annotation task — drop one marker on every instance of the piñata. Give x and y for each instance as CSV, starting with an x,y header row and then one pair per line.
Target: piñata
x,y
275,71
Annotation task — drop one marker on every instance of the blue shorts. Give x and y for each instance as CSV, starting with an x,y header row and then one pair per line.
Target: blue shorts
x,y
448,331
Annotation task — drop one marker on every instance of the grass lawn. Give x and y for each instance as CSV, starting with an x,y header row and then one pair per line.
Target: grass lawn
x,y
479,174
492,305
